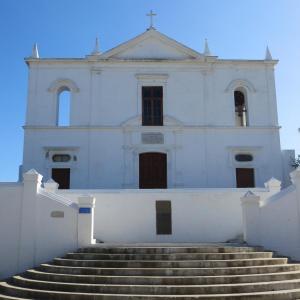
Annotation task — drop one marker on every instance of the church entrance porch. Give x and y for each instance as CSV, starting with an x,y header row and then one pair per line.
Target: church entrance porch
x,y
153,170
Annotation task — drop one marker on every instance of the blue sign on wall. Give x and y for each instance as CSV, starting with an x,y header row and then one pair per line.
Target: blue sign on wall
x,y
84,210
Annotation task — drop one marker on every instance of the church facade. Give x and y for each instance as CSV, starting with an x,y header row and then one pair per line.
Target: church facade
x,y
153,113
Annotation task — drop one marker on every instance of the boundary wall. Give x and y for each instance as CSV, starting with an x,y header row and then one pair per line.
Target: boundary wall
x,y
274,223
37,224
198,215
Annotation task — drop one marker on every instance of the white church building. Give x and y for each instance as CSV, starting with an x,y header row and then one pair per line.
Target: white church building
x,y
153,113
159,144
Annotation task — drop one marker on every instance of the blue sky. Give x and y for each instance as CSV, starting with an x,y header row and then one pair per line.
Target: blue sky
x,y
67,28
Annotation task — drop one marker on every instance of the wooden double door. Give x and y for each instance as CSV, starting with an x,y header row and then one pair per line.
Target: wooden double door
x,y
153,170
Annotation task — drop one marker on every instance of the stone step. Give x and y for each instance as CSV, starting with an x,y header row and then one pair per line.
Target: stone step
x,y
3,297
167,250
169,264
144,272
173,256
159,280
19,293
154,290
170,271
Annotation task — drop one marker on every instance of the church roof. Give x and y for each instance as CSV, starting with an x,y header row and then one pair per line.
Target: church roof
x,y
151,45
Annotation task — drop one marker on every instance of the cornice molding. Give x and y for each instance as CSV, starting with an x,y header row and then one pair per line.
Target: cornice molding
x,y
60,148
151,128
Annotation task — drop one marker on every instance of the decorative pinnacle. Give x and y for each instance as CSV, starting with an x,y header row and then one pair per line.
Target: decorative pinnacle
x,y
96,50
35,51
268,54
206,49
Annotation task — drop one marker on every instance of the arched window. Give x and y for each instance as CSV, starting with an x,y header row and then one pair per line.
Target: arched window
x,y
63,91
240,108
63,106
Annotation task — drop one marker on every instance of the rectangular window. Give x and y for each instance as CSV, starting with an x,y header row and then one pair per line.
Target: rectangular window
x,y
245,177
163,217
62,177
152,105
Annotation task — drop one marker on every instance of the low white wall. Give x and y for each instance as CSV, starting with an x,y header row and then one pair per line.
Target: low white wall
x,y
55,236
280,223
10,209
274,223
37,224
198,215
29,235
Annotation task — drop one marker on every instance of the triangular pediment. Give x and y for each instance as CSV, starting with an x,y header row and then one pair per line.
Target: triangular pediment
x,y
151,45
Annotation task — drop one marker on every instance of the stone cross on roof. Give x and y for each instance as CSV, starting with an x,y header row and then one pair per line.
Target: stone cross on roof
x,y
151,15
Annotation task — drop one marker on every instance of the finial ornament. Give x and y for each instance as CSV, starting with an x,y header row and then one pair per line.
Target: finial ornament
x,y
35,51
268,54
206,49
151,15
96,50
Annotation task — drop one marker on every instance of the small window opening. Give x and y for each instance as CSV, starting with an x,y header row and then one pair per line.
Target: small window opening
x,y
244,157
163,217
152,106
61,158
240,109
64,102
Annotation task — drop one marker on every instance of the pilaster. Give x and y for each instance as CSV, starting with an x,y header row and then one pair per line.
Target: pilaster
x,y
27,247
86,205
251,218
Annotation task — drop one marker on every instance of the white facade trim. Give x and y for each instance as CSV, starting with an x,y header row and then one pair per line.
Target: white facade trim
x,y
163,128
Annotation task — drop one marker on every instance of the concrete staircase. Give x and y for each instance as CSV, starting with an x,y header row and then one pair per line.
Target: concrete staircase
x,y
169,271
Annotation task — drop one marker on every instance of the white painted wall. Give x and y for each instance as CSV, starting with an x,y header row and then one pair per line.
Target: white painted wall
x,y
10,218
55,236
275,222
198,215
109,96
194,156
28,233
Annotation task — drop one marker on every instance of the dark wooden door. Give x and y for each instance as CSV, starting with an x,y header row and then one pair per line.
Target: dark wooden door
x,y
153,170
62,177
163,217
245,177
